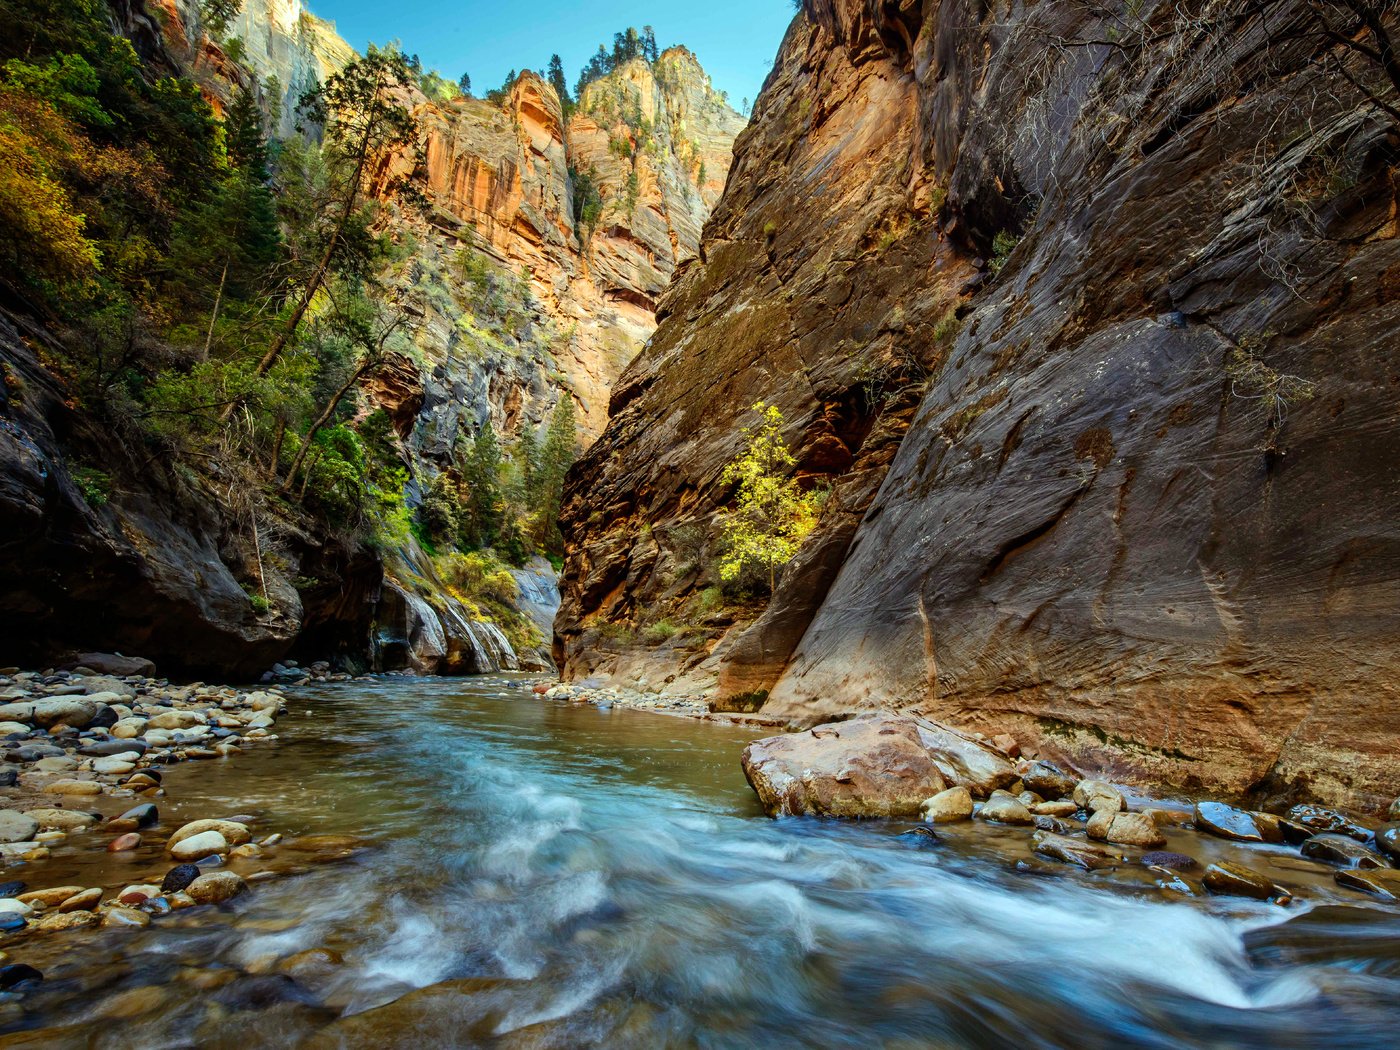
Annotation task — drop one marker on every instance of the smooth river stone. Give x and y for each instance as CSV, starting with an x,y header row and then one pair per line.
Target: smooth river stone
x,y
1319,819
61,819
1005,808
216,887
16,826
233,832
1087,855
1237,880
1388,839
1339,849
1049,781
73,787
196,847
1379,882
1227,822
949,806
1095,795
123,843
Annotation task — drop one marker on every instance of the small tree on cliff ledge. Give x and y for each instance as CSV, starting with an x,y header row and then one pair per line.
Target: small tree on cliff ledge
x,y
771,515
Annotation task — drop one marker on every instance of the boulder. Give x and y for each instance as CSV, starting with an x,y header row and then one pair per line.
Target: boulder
x,y
216,887
1125,829
114,664
1237,880
948,806
1339,849
197,847
868,767
1227,822
1095,795
1049,781
1066,850
1005,808
963,760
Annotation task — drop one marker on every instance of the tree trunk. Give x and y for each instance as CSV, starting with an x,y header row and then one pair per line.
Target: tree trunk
x,y
218,301
322,420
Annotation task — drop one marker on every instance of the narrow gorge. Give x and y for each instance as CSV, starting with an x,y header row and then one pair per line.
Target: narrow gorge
x,y
910,560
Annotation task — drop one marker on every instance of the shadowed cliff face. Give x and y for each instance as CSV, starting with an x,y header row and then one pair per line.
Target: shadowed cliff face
x,y
1145,515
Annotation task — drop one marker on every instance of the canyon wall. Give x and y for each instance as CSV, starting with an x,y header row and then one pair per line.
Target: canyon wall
x,y
1144,515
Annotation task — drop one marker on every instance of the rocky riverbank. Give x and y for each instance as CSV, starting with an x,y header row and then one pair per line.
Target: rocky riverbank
x,y
910,768
605,697
82,782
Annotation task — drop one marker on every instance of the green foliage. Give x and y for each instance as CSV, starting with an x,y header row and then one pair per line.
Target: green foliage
x,y
1003,244
557,454
218,15
660,631
95,485
771,515
588,201
259,603
481,518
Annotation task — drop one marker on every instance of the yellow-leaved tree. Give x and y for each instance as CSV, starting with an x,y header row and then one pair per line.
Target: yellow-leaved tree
x,y
771,515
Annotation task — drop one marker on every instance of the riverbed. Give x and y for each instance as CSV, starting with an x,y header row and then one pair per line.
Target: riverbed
x,y
541,874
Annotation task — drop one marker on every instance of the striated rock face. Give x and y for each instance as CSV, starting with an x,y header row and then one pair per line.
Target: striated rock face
x,y
1144,516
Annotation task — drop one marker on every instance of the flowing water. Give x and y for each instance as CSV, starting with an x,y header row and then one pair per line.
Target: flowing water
x,y
547,875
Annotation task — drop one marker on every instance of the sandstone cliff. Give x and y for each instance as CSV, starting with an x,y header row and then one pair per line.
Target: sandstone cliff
x,y
1144,515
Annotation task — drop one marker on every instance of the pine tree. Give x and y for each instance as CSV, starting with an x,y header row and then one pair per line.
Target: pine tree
x,y
556,457
482,520
649,51
465,83
558,81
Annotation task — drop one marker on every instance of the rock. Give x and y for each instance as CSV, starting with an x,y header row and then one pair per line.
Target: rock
x,y
1393,813
1293,833
1029,799
1339,849
1379,882
139,893
1132,829
18,973
868,767
1060,808
16,826
196,847
108,766
13,888
1049,781
8,905
128,917
74,787
84,900
922,836
1051,824
143,815
129,728
1270,826
1318,819
216,887
1388,840
13,728
75,711
123,843
1006,744
1100,820
310,962
1005,808
50,898
1066,850
74,920
114,664
55,764
143,780
176,720
948,806
178,877
1095,795
61,819
1227,822
963,760
128,750
233,832
1236,880
1170,860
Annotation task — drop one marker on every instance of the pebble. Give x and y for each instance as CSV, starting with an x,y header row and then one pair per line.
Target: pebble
x,y
61,819
234,833
196,847
125,917
108,766
50,898
122,843
216,887
138,893
85,900
1170,860
143,815
114,748
74,920
178,877
74,787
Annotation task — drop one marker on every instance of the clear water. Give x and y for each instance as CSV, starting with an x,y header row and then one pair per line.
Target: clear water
x,y
548,875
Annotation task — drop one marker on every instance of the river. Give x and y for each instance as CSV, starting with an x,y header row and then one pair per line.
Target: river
x,y
547,875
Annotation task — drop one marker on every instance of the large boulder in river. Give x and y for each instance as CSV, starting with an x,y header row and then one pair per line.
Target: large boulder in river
x,y
113,664
868,767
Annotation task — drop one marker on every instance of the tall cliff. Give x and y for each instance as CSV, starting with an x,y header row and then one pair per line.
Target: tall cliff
x,y
1138,273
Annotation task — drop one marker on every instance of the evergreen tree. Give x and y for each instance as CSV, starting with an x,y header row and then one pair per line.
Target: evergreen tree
x,y
218,15
465,83
649,50
556,457
243,134
557,80
481,523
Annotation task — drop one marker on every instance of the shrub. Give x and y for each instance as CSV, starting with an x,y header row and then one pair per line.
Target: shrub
x,y
1003,244
661,631
95,486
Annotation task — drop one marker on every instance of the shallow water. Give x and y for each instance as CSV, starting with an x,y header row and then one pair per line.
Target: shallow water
x,y
548,875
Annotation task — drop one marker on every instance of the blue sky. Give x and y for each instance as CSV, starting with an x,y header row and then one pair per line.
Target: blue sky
x,y
734,39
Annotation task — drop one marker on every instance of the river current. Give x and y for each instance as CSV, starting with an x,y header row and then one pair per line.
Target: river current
x,y
547,875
